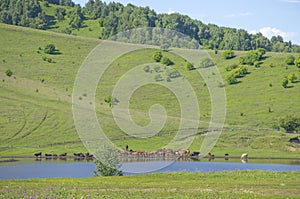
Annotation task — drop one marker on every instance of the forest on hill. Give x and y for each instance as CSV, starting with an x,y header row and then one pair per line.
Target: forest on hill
x,y
113,18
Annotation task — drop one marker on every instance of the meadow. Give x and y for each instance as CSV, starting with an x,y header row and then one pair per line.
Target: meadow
x,y
237,184
36,101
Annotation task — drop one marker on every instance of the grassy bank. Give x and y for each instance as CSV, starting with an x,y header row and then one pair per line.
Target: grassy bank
x,y
239,184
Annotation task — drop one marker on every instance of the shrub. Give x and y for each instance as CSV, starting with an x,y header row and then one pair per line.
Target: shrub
x,y
231,79
256,64
166,61
292,77
157,68
289,60
158,78
239,72
297,62
50,49
290,123
231,67
9,73
207,62
285,82
228,54
252,56
147,69
110,164
157,56
110,100
189,66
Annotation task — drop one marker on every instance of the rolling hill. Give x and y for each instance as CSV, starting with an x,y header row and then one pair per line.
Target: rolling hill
x,y
36,101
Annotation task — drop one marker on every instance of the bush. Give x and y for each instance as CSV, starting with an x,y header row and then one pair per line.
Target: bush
x,y
147,69
239,72
110,100
231,79
252,56
189,66
290,123
256,64
285,82
207,62
231,67
9,73
228,54
110,164
292,77
297,62
157,56
166,61
158,78
50,49
289,60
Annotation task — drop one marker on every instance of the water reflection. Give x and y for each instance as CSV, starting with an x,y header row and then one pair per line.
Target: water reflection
x,y
41,168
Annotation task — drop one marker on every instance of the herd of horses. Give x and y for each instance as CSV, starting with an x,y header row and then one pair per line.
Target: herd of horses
x,y
63,156
140,154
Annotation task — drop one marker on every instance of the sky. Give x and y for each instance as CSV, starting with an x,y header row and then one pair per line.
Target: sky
x,y
270,17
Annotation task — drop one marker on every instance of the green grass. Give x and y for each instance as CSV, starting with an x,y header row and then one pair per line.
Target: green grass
x,y
238,184
35,112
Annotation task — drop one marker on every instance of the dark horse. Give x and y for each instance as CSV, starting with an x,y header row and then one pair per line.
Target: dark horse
x,y
38,154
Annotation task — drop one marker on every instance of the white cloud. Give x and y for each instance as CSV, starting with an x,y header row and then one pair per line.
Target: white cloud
x,y
241,14
171,11
269,32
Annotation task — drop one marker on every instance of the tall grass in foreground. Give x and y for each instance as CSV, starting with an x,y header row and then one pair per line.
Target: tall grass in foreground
x,y
237,184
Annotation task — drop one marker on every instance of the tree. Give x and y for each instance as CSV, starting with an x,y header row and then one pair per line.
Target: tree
x,y
207,62
189,66
285,82
231,67
9,73
297,62
166,61
157,56
256,64
147,69
76,17
289,60
253,56
228,54
107,163
50,49
60,13
290,123
231,79
292,77
111,100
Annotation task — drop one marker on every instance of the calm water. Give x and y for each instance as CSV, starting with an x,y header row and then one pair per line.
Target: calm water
x,y
51,169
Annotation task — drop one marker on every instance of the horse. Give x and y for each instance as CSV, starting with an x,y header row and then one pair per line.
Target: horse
x,y
211,156
226,156
244,156
48,156
38,154
63,156
89,156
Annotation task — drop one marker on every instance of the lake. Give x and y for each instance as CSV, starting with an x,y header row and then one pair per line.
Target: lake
x,y
73,169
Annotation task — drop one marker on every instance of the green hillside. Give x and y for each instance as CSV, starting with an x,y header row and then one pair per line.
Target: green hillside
x,y
35,112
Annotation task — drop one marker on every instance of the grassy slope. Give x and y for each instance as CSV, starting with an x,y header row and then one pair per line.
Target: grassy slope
x,y
239,184
30,118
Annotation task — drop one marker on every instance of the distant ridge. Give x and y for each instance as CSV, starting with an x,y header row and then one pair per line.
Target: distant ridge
x,y
98,19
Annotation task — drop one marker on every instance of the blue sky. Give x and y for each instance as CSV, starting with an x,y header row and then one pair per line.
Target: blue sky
x,y
270,17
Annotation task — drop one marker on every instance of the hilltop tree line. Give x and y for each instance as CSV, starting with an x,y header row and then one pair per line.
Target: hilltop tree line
x,y
115,18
